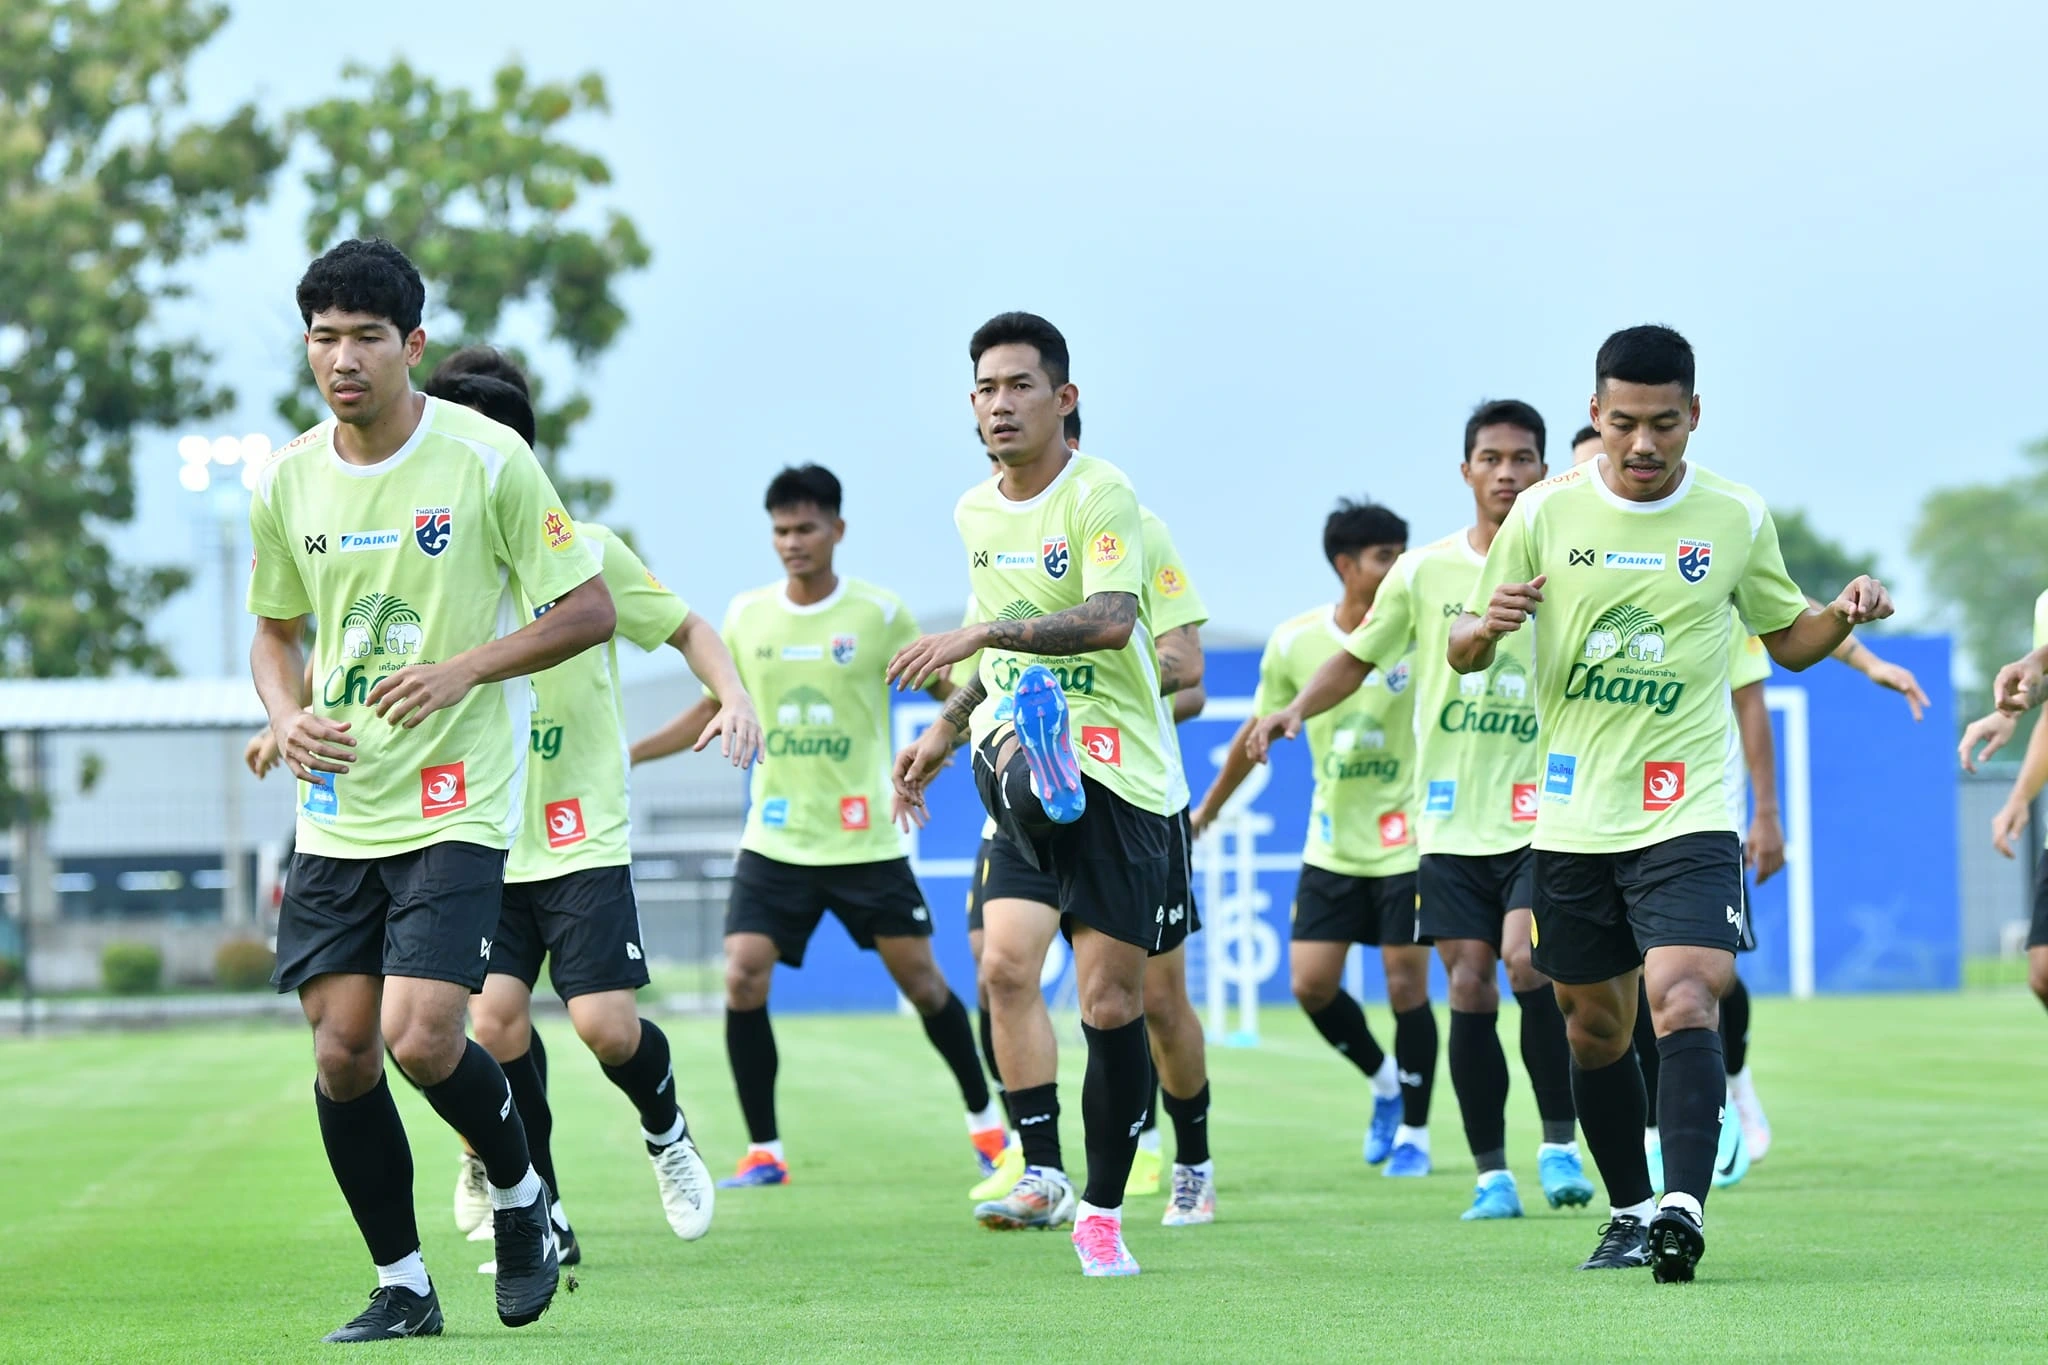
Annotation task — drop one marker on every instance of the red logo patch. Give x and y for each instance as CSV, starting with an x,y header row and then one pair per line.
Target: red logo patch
x,y
1525,801
1104,743
565,823
1393,829
1663,785
442,789
853,813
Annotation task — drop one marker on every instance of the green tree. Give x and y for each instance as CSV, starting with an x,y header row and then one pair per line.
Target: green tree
x,y
1985,550
105,189
1821,567
490,215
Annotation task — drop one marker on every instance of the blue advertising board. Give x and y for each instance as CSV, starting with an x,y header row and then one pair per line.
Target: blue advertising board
x,y
1870,812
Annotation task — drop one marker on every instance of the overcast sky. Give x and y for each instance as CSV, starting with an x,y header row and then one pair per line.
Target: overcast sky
x,y
1290,245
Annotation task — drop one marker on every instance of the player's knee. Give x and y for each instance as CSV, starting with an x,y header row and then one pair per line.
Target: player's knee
x,y
746,985
1006,976
348,1062
499,1031
611,1034
926,991
1110,1004
1688,1004
1521,965
1473,987
425,1051
1312,990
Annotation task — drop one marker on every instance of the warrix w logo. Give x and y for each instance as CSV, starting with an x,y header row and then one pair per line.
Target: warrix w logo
x,y
316,545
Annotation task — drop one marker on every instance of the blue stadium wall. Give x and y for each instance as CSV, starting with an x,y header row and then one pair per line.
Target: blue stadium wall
x,y
1884,831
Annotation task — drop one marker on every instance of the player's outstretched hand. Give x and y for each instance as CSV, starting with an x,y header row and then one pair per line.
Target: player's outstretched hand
x,y
260,753
2008,825
314,744
1985,736
1864,600
2018,685
1510,607
914,769
417,691
1901,681
738,731
1764,850
1281,724
928,657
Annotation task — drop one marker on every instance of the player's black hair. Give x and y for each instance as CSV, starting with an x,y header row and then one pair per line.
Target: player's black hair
x,y
1584,435
1511,412
1650,354
1355,525
812,483
1023,329
1071,427
364,275
498,399
484,360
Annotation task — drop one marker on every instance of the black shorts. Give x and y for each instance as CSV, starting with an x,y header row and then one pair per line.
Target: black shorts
x,y
785,901
1468,895
1597,914
1003,873
585,924
1114,867
1330,907
2037,934
429,913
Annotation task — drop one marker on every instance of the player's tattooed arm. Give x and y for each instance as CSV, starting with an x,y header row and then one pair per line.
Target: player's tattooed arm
x,y
959,708
1180,660
1104,621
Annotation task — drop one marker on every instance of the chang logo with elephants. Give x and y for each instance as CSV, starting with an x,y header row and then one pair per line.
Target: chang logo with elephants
x,y
380,634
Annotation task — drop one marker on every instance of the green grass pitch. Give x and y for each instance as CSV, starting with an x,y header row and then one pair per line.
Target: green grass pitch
x,y
166,1199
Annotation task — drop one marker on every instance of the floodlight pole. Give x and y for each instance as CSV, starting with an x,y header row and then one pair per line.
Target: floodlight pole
x,y
234,904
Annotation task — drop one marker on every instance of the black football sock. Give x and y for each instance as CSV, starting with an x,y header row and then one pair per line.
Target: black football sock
x,y
1479,1078
538,1051
1342,1024
1113,1098
1190,1125
476,1101
988,1059
649,1081
530,1095
750,1047
1415,1055
1647,1057
1689,1109
1152,1103
1610,1104
1735,1028
372,1162
1037,1111
1547,1057
953,1036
